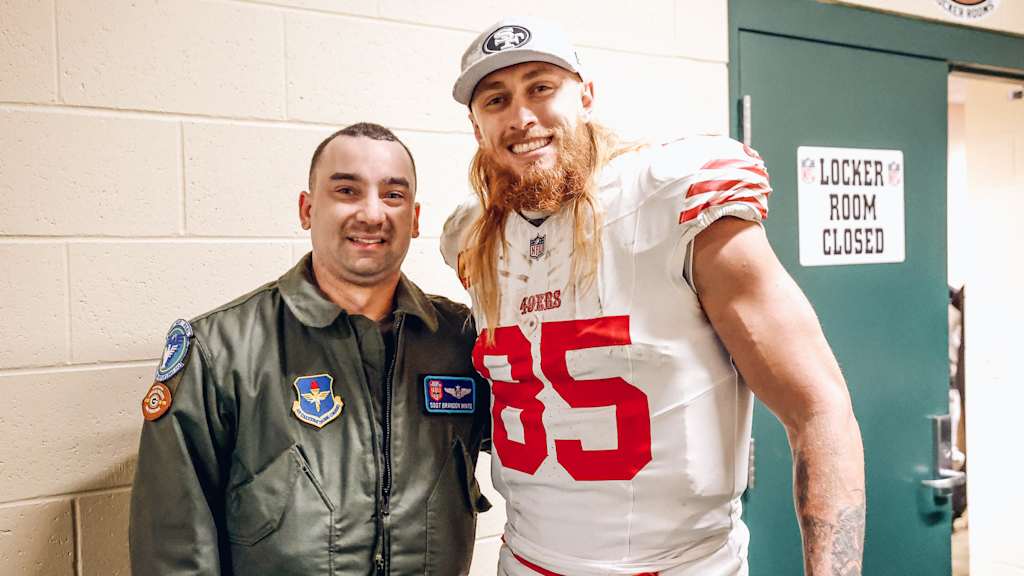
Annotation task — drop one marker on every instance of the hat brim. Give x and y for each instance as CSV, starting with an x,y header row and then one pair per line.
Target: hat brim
x,y
466,84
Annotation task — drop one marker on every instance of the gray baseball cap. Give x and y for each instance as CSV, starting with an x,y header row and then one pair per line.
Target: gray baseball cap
x,y
514,41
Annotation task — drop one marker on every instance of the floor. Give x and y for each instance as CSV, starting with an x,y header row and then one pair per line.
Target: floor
x,y
961,554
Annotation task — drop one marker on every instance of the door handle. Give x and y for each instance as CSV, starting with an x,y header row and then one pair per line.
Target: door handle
x,y
948,478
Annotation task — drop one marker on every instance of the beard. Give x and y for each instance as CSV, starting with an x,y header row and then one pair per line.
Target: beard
x,y
543,189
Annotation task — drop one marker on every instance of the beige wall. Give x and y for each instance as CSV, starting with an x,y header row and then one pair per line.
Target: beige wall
x,y
150,157
1007,17
987,169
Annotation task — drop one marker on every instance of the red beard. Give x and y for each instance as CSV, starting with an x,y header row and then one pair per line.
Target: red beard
x,y
543,189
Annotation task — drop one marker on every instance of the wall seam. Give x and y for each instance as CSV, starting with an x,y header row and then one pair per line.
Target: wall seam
x,y
195,238
93,111
76,528
72,368
70,358
56,54
48,499
183,216
284,60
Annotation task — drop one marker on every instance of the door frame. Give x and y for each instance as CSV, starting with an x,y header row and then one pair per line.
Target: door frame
x,y
986,51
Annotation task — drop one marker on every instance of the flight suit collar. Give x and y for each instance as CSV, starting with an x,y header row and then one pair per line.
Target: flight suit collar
x,y
312,308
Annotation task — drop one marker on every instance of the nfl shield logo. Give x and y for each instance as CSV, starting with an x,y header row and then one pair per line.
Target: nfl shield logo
x,y
895,173
537,247
807,171
436,390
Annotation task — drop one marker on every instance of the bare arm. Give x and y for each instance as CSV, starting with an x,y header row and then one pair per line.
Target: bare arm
x,y
775,339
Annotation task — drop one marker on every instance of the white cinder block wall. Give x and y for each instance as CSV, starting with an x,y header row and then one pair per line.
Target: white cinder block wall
x,y
151,153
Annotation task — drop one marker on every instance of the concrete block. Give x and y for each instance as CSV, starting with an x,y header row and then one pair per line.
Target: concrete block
x,y
485,556
245,180
124,297
442,166
36,539
214,58
27,59
424,266
343,70
634,26
33,305
70,431
702,29
300,248
657,98
103,535
70,174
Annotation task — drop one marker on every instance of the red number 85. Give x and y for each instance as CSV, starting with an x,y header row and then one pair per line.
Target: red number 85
x,y
632,415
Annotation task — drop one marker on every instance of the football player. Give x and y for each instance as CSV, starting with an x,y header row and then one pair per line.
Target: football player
x,y
629,305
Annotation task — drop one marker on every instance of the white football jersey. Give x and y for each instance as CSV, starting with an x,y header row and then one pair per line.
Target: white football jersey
x,y
620,426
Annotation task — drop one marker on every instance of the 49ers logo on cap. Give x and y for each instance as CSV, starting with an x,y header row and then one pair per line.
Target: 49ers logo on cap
x,y
505,38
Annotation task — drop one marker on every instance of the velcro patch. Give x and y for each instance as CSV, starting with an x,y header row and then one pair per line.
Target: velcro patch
x,y
449,394
157,401
175,350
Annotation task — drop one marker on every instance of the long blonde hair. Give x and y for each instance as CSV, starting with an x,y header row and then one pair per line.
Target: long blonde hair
x,y
487,234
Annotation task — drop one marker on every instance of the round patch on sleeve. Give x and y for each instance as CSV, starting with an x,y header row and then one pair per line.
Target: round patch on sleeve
x,y
156,402
175,350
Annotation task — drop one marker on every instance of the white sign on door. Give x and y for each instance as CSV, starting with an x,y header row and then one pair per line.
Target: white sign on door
x,y
850,205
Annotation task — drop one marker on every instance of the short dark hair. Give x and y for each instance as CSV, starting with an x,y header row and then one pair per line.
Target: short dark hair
x,y
359,130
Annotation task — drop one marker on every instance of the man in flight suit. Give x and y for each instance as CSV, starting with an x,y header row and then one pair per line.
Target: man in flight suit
x,y
329,421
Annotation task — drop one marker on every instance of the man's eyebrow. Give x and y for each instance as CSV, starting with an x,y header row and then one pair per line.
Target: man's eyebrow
x,y
492,85
345,176
396,181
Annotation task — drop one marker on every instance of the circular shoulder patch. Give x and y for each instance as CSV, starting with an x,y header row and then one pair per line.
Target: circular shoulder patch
x,y
505,38
156,402
175,350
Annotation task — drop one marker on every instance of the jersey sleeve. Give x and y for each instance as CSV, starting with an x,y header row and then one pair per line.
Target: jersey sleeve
x,y
708,177
455,236
686,185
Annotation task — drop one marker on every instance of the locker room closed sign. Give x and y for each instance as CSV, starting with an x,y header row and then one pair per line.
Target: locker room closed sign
x,y
850,205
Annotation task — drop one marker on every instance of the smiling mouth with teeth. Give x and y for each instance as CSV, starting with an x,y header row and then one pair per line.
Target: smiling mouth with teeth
x,y
529,145
367,241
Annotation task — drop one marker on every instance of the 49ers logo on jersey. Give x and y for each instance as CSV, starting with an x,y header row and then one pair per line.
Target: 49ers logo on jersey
x,y
541,302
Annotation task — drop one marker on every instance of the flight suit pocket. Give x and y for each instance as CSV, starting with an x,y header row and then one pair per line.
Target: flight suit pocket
x,y
451,514
281,522
255,508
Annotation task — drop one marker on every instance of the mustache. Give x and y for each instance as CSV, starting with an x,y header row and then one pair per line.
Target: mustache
x,y
530,134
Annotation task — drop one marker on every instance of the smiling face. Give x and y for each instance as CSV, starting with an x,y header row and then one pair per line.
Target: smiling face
x,y
361,210
523,115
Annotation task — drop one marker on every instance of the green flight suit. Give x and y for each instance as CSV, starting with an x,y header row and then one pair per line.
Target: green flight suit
x,y
230,481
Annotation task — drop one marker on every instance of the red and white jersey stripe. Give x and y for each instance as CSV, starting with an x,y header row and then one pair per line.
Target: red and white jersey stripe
x,y
620,426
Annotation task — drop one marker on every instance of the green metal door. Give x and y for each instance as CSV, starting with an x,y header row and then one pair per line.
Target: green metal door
x,y
885,322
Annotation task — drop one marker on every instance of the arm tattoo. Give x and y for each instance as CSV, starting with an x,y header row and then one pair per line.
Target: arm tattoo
x,y
841,539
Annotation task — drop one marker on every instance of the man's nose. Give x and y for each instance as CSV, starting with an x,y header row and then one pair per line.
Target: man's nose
x,y
372,210
522,116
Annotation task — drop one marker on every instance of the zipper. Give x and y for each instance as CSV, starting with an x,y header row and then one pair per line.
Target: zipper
x,y
386,481
380,560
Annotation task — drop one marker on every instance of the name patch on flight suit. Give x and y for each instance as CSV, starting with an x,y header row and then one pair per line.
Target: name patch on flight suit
x,y
317,404
449,394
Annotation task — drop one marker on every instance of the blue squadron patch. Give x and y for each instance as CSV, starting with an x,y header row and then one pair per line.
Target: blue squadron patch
x,y
449,394
317,405
175,350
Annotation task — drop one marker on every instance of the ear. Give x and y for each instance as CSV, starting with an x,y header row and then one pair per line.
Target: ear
x,y
416,220
587,99
476,129
305,206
